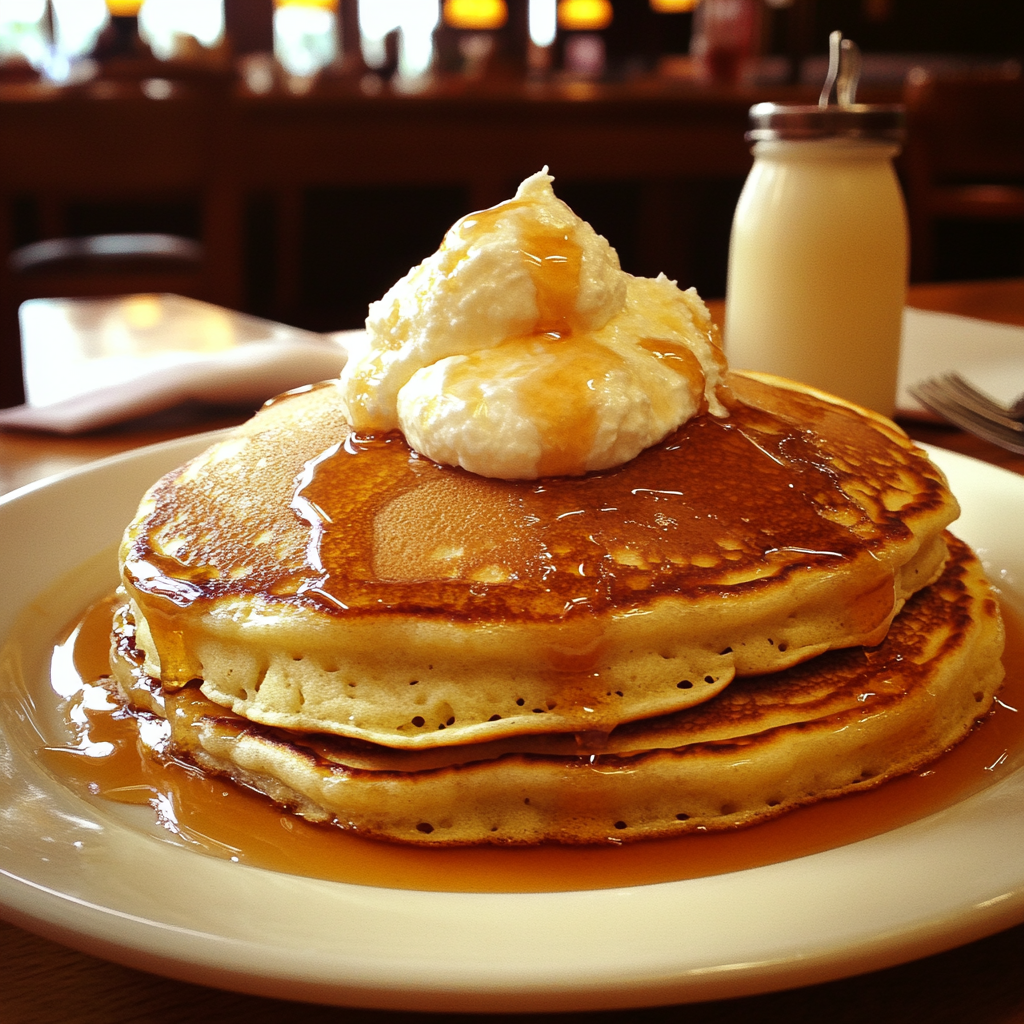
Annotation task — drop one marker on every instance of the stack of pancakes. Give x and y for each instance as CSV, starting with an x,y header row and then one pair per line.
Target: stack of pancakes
x,y
760,611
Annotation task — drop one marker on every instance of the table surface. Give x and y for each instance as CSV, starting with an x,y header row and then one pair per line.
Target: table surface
x,y
46,983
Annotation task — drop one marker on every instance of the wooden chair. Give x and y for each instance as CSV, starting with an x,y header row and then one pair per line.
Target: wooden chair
x,y
964,157
114,144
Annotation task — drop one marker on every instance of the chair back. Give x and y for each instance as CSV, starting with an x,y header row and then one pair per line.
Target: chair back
x,y
112,144
964,156
967,128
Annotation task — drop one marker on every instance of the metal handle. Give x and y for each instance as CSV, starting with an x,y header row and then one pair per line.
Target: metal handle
x,y
844,66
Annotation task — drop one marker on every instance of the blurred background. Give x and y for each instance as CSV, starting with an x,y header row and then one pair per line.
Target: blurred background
x,y
293,158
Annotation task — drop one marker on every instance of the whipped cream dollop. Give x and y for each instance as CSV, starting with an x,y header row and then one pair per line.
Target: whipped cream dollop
x,y
521,349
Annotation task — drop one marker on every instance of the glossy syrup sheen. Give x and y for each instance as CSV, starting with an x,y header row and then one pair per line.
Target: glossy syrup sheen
x,y
221,819
717,501
371,525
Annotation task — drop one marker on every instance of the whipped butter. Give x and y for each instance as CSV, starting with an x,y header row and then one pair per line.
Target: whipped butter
x,y
521,349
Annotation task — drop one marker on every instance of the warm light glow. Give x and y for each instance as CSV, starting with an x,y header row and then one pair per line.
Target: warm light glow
x,y
124,7
330,5
673,6
585,15
478,15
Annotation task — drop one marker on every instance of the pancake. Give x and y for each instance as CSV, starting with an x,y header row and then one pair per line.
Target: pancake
x,y
321,580
845,721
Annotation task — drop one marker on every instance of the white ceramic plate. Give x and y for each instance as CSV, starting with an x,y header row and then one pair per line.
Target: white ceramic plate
x,y
72,872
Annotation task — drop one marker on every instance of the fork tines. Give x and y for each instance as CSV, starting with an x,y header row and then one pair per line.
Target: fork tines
x,y
958,401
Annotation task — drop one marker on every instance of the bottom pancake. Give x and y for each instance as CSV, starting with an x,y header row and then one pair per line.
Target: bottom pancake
x,y
844,721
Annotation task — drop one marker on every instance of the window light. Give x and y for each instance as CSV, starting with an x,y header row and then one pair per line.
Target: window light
x,y
161,22
305,36
543,22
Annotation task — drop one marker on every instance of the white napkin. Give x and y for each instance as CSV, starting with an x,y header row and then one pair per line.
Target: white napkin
x,y
989,355
90,363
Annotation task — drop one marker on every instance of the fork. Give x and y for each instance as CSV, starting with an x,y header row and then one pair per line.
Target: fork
x,y
957,400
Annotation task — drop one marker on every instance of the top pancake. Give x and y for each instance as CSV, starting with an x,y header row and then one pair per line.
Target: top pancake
x,y
323,581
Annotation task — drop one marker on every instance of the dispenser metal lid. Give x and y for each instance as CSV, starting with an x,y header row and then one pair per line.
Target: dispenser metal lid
x,y
843,119
881,122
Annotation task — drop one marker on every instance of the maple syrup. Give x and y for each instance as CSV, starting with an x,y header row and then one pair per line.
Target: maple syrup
x,y
715,501
553,259
680,517
218,818
564,412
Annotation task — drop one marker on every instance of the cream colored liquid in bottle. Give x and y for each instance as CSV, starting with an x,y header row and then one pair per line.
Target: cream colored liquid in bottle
x,y
818,253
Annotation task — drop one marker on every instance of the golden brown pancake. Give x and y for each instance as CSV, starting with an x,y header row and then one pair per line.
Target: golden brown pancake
x,y
319,580
846,720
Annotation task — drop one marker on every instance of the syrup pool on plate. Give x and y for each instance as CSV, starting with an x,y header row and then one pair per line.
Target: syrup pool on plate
x,y
215,817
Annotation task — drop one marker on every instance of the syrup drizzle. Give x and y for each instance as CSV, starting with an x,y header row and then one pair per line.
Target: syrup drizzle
x,y
558,391
218,818
661,524
753,491
553,259
557,363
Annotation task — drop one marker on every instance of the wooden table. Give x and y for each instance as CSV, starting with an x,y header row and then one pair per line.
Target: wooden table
x,y
45,983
